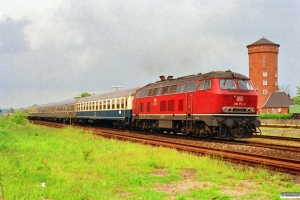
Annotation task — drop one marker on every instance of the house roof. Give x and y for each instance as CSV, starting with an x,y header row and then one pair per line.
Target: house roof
x,y
262,41
278,100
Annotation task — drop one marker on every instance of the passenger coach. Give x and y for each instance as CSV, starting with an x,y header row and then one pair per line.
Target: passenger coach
x,y
112,107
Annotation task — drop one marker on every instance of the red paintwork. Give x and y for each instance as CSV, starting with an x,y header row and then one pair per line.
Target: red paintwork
x,y
199,101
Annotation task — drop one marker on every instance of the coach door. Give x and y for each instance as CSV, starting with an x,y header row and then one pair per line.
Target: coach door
x,y
189,111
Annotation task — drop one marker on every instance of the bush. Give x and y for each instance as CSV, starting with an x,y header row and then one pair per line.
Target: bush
x,y
275,116
16,118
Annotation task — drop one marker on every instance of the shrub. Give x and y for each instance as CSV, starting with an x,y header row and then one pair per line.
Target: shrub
x,y
275,116
17,118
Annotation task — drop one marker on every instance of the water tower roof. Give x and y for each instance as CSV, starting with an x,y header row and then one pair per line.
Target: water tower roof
x,y
262,41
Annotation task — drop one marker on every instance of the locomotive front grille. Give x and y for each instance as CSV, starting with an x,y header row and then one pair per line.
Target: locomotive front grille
x,y
238,110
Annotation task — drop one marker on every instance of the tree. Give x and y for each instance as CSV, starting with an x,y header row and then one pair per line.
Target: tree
x,y
296,99
11,110
284,88
84,94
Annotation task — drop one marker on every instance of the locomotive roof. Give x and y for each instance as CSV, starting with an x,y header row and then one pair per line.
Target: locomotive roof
x,y
210,75
109,95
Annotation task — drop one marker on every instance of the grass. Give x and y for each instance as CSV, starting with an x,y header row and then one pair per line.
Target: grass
x,y
43,163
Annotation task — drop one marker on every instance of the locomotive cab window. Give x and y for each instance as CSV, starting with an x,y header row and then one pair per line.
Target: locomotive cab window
x,y
227,84
245,85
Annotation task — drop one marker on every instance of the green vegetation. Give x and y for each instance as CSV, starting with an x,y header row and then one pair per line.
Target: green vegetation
x,y
275,116
296,99
44,163
84,94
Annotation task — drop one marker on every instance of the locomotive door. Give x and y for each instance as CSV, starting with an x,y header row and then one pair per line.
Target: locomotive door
x,y
189,111
137,108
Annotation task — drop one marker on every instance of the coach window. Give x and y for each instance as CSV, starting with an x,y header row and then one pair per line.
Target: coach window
x,y
100,105
165,90
227,84
190,87
113,104
118,103
104,105
122,103
108,104
172,89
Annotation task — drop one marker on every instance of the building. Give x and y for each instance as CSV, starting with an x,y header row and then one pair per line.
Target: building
x,y
263,68
277,103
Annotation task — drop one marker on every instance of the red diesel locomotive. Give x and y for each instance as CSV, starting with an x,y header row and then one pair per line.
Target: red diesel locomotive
x,y
216,104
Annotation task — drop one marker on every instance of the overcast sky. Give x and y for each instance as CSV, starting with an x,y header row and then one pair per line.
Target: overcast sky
x,y
55,50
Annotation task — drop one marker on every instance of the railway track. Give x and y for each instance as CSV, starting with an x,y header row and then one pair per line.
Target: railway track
x,y
277,137
286,165
296,126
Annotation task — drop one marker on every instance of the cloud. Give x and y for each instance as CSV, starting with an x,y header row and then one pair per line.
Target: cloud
x,y
12,37
69,47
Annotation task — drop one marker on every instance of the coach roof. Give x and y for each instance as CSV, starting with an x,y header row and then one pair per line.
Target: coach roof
x,y
109,95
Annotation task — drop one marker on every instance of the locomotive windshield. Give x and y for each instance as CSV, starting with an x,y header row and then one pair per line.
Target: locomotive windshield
x,y
229,84
245,85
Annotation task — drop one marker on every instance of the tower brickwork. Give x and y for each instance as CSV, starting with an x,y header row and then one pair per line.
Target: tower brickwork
x,y
263,68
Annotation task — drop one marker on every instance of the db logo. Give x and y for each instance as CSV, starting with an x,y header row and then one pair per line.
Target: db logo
x,y
240,98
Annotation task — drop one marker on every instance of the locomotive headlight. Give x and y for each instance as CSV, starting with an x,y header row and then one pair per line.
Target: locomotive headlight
x,y
225,109
252,110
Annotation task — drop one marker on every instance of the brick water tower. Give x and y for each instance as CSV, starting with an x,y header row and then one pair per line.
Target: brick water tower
x,y
263,68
